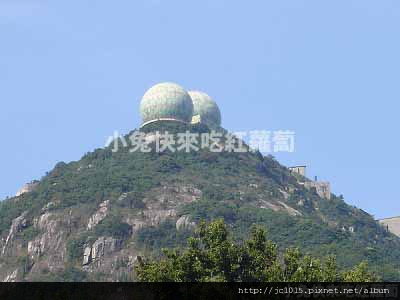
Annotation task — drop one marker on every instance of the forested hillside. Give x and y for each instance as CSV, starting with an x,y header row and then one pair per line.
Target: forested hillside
x,y
90,219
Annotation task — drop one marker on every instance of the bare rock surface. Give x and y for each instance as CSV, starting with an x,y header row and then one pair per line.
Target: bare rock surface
x,y
100,214
12,277
184,223
103,246
17,225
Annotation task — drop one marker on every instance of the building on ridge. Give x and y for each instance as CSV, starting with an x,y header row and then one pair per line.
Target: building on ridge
x,y
299,170
323,188
392,225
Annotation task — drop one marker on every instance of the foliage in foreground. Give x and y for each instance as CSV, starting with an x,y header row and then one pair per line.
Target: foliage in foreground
x,y
213,256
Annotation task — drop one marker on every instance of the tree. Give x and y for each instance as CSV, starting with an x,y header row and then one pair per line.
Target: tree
x,y
213,256
359,273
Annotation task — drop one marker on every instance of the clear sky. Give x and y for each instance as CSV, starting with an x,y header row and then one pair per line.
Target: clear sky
x,y
72,72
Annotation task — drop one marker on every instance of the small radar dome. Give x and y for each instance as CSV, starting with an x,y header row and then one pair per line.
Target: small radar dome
x,y
166,101
205,109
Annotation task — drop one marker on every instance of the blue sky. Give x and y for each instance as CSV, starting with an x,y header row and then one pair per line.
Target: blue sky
x,y
72,72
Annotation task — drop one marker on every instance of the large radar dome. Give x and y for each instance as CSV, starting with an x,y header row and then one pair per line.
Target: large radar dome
x,y
205,109
166,101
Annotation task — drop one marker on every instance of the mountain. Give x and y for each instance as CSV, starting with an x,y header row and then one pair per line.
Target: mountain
x,y
90,219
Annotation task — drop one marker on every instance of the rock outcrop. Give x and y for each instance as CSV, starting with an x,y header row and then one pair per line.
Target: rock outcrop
x,y
102,247
51,241
17,225
12,277
184,223
99,215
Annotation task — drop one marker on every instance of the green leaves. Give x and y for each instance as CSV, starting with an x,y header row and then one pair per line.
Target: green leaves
x,y
213,256
359,273
113,226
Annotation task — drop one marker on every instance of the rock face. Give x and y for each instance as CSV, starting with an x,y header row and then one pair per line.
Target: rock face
x,y
45,239
45,249
277,205
184,223
51,230
113,256
99,215
87,256
156,216
51,241
103,246
17,225
163,205
11,277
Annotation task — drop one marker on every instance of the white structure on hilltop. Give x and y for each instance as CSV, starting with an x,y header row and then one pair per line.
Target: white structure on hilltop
x,y
323,188
27,188
169,101
299,170
392,225
205,110
166,101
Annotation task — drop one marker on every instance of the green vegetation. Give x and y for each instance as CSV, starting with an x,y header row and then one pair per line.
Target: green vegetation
x,y
75,246
213,256
234,187
153,239
28,234
110,226
113,226
72,274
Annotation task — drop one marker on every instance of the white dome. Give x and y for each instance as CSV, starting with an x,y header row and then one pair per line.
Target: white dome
x,y
205,107
166,101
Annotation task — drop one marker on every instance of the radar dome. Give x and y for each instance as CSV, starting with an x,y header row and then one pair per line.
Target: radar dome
x,y
166,101
205,108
